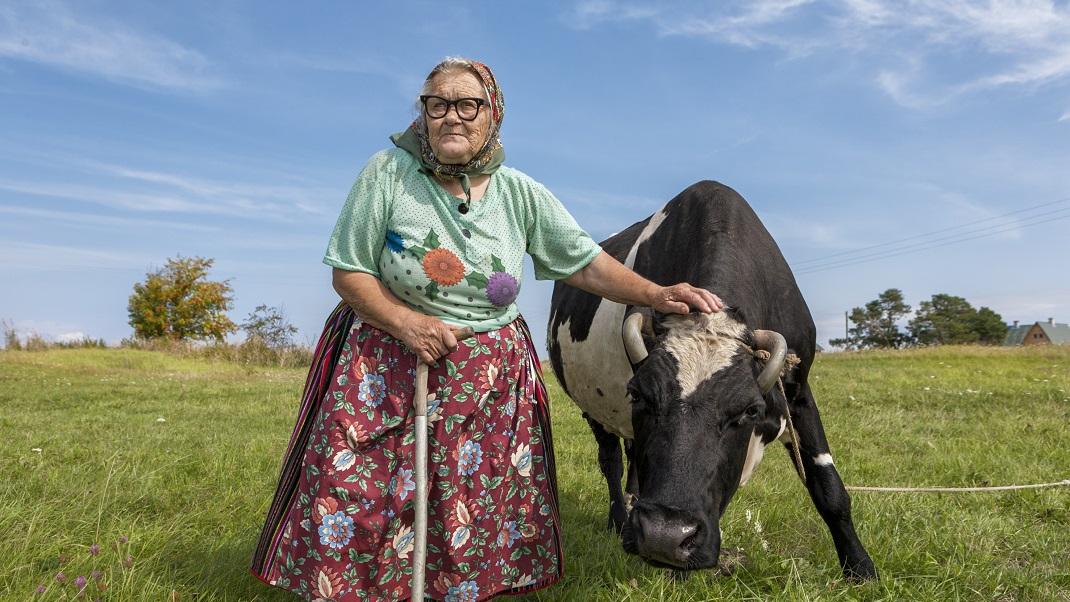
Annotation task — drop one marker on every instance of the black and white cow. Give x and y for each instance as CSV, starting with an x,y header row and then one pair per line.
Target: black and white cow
x,y
694,402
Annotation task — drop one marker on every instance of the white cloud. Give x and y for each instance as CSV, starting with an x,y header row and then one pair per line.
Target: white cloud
x,y
35,256
236,193
172,193
590,13
50,33
71,337
1000,42
1065,117
103,220
114,198
406,82
1028,306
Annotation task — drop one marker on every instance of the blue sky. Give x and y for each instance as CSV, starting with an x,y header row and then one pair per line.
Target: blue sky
x,y
133,132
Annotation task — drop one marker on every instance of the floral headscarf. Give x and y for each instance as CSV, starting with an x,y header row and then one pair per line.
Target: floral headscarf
x,y
486,161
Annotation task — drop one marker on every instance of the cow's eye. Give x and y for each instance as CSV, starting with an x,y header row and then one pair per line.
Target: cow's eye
x,y
755,411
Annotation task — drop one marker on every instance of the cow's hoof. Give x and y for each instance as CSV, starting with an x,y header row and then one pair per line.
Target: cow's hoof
x,y
628,541
615,526
861,571
730,559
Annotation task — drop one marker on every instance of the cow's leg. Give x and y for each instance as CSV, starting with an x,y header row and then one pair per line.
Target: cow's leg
x,y
612,469
826,489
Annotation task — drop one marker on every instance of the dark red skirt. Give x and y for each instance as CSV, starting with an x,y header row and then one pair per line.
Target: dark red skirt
x,y
340,525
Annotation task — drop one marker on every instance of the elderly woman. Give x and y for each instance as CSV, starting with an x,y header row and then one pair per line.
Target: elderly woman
x,y
431,239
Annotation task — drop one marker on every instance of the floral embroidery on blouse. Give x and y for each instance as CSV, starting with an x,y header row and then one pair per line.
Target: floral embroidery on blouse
x,y
445,269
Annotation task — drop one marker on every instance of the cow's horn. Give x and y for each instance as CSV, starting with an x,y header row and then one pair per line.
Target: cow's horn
x,y
774,343
633,338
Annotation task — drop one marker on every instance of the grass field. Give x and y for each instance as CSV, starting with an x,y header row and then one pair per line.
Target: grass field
x,y
179,456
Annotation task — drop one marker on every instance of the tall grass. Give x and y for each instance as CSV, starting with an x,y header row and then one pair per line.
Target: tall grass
x,y
251,352
35,342
179,453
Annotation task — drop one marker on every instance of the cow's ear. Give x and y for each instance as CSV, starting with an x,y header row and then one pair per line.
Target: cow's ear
x,y
791,373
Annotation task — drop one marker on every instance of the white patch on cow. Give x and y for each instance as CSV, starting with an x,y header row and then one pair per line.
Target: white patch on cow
x,y
648,231
600,362
629,501
703,345
755,451
823,460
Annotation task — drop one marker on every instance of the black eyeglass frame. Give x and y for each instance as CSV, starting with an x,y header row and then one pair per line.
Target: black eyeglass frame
x,y
454,104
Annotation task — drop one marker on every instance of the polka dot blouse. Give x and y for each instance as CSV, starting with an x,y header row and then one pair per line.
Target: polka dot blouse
x,y
402,227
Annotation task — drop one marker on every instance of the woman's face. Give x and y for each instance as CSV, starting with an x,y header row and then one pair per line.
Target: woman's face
x,y
454,140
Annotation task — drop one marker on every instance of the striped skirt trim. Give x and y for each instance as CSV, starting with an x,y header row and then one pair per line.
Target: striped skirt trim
x,y
325,357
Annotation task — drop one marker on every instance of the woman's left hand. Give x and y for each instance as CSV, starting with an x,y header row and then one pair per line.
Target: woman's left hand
x,y
680,298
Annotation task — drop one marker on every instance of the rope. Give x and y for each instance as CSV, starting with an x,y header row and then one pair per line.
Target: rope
x,y
791,361
796,454
1063,483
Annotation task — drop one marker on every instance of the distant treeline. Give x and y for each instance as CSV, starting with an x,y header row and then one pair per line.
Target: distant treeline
x,y
942,320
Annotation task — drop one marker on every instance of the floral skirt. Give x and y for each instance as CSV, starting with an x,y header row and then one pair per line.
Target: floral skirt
x,y
340,525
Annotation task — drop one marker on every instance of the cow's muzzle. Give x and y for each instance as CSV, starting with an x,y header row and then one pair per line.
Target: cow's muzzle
x,y
671,536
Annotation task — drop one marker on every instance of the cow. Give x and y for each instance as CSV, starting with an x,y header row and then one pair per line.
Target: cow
x,y
697,397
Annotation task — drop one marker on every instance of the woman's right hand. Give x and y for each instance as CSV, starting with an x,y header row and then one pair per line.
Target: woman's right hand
x,y
428,337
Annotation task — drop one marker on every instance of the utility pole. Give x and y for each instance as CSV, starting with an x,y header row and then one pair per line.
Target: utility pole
x,y
845,329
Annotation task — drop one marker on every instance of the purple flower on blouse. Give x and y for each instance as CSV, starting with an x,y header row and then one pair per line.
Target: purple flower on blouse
x,y
502,289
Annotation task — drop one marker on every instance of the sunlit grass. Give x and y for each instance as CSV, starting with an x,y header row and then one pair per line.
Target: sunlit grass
x,y
190,490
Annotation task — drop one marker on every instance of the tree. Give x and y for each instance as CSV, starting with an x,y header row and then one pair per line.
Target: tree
x,y
875,324
950,320
944,320
178,302
990,327
269,325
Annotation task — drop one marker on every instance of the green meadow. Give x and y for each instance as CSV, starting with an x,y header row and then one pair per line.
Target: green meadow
x,y
168,463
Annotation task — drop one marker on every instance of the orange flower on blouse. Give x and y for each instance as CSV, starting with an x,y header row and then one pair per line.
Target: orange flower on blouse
x,y
443,267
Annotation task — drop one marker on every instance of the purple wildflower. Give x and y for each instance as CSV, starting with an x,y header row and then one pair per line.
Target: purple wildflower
x,y
60,577
96,575
502,289
41,589
80,581
94,550
123,539
128,561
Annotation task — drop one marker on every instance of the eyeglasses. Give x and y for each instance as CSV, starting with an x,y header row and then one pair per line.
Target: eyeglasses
x,y
436,107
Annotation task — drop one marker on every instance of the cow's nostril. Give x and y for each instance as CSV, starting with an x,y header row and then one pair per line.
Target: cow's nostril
x,y
690,536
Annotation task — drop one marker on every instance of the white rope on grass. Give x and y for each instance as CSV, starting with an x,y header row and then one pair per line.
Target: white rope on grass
x,y
1062,483
791,361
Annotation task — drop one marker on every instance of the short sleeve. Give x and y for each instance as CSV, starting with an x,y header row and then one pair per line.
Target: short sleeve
x,y
360,232
556,243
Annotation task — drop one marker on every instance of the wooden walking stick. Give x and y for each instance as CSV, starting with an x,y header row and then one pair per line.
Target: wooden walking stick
x,y
419,401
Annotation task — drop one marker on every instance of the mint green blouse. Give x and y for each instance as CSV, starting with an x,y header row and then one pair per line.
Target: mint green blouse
x,y
402,227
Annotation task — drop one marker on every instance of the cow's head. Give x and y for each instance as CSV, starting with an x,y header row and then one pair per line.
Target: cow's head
x,y
703,409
